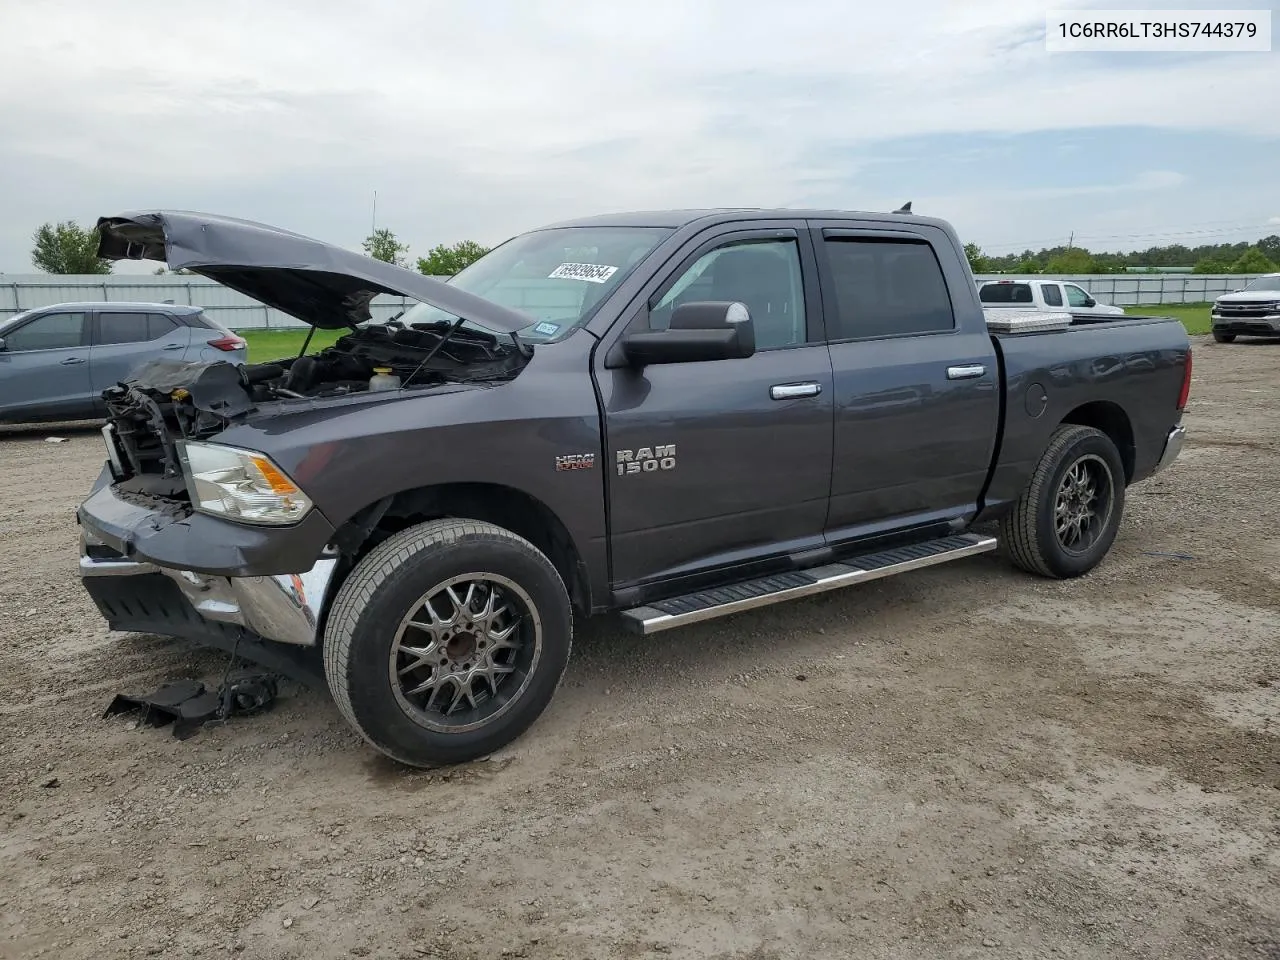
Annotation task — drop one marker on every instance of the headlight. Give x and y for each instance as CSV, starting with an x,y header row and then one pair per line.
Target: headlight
x,y
240,485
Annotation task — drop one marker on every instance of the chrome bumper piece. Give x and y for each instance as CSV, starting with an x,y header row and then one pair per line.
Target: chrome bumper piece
x,y
1172,447
1228,321
285,608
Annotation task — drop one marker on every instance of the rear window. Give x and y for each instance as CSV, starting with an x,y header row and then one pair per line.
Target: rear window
x,y
1005,293
885,288
202,319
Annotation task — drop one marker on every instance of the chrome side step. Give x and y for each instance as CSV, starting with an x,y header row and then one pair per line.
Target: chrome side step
x,y
763,591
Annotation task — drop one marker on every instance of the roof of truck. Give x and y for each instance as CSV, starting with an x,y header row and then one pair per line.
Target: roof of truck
x,y
679,218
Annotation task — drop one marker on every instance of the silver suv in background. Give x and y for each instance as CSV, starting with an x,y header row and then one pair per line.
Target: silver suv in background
x,y
55,361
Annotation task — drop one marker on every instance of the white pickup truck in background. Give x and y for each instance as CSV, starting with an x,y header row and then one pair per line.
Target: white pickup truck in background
x,y
1031,295
1253,311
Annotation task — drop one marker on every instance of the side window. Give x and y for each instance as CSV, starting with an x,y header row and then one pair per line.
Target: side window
x,y
122,328
763,274
1052,294
53,331
1075,296
158,325
885,288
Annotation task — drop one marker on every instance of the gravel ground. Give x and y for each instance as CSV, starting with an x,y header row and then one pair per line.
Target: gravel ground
x,y
964,761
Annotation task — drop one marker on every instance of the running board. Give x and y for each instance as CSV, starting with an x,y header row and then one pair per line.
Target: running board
x,y
763,591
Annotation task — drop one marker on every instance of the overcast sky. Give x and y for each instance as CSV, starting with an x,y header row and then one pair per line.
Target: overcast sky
x,y
478,120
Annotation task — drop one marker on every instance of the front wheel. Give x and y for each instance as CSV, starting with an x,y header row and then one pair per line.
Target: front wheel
x,y
447,641
1066,520
1224,337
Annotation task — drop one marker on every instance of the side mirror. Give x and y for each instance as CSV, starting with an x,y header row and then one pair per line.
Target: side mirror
x,y
710,330
1090,302
3,346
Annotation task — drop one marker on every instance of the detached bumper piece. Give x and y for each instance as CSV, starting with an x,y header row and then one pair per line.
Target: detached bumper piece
x,y
189,705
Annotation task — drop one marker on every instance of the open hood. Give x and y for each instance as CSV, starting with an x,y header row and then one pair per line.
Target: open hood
x,y
321,284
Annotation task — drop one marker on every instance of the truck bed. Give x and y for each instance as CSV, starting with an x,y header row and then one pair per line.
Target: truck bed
x,y
1122,370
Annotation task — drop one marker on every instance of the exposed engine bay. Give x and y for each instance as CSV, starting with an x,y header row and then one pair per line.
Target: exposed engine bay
x,y
168,401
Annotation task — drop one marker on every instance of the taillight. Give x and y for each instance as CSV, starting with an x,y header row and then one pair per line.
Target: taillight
x,y
227,343
1186,383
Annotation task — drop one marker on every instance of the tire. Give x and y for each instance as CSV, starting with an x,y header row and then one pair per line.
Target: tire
x,y
1029,532
391,678
1224,337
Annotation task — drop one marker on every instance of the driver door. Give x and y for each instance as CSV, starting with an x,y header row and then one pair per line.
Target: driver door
x,y
1079,301
44,369
716,464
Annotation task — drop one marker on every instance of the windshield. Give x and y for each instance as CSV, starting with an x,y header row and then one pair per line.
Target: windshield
x,y
555,276
1265,283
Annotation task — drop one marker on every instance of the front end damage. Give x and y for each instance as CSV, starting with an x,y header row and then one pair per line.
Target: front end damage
x,y
187,536
139,525
153,558
271,620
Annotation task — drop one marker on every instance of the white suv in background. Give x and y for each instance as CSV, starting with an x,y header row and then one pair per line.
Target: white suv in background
x,y
1050,296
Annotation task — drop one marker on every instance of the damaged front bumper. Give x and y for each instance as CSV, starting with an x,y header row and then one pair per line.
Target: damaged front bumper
x,y
285,608
172,573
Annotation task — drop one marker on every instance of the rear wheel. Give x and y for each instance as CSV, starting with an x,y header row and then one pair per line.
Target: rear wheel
x,y
1224,337
447,641
1066,519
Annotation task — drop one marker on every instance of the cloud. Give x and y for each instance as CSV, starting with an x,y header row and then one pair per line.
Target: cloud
x,y
481,120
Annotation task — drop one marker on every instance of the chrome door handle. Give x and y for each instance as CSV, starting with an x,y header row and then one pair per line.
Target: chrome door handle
x,y
967,372
789,391
70,360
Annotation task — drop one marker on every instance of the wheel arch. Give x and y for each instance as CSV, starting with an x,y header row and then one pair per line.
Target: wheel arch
x,y
499,504
1112,420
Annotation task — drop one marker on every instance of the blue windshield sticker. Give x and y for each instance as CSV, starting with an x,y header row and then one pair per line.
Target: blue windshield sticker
x,y
547,328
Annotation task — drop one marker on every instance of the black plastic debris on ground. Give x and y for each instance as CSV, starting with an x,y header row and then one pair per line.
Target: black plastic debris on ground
x,y
190,705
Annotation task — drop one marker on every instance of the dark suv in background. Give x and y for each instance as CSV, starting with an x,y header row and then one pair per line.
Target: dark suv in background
x,y
55,361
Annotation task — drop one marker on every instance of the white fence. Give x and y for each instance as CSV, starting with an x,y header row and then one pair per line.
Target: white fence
x,y
1128,289
22,291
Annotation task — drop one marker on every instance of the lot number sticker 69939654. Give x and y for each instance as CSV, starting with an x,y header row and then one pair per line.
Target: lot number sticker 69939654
x,y
590,272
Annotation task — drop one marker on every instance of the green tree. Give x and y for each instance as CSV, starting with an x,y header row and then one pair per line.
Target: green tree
x,y
66,248
1270,247
445,261
1026,264
1212,265
383,245
1074,260
1253,260
977,261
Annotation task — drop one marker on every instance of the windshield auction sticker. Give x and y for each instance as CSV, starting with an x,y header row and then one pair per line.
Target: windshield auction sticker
x,y
590,272
1157,31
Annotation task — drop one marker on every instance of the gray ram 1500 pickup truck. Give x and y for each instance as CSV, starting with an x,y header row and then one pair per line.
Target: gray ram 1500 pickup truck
x,y
671,416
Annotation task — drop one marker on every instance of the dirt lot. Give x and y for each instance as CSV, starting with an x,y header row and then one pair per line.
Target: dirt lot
x,y
961,762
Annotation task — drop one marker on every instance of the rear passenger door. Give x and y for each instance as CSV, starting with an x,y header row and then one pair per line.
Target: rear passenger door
x,y
123,341
916,391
